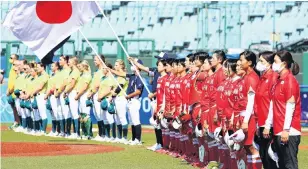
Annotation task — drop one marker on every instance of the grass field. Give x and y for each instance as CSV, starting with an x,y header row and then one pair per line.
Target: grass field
x,y
130,158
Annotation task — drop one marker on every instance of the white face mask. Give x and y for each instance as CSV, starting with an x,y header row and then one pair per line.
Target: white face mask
x,y
261,67
277,67
132,68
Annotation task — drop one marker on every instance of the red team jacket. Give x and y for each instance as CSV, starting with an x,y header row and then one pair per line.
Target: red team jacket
x,y
263,95
286,87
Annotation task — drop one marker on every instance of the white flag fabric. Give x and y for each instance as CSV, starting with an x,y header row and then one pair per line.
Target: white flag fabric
x,y
42,25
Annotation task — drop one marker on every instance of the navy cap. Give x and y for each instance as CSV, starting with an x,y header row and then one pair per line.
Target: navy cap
x,y
162,55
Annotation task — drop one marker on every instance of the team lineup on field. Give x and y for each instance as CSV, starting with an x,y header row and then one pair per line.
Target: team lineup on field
x,y
208,110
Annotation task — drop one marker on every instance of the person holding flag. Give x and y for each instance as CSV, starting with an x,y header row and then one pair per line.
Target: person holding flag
x,y
107,85
120,103
156,102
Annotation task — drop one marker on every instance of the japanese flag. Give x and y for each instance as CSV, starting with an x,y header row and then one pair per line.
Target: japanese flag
x,y
42,25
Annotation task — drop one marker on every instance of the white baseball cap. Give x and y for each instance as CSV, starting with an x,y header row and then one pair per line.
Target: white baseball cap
x,y
238,136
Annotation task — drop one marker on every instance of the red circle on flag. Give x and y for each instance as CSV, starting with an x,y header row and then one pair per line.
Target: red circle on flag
x,y
54,12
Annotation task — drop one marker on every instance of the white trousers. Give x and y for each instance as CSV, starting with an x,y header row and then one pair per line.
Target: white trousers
x,y
18,108
56,108
107,117
98,112
36,114
133,111
65,108
73,105
121,107
82,104
41,104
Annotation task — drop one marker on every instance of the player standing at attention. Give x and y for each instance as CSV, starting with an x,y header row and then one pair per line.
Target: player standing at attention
x,y
155,74
10,90
70,93
61,84
263,103
247,117
57,127
94,86
286,110
106,87
82,87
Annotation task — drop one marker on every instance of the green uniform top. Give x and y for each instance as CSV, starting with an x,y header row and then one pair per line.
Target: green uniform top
x,y
75,74
53,80
62,77
85,78
124,82
42,80
31,85
105,84
96,79
27,83
19,82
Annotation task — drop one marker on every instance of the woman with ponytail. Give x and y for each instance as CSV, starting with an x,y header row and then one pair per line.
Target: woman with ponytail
x,y
286,110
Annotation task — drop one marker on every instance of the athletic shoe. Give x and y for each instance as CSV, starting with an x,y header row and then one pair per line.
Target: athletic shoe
x,y
37,133
18,129
32,132
61,135
128,142
85,137
136,142
96,138
158,147
152,147
50,134
107,139
116,140
13,126
124,141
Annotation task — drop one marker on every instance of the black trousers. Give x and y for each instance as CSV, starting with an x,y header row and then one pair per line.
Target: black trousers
x,y
287,153
264,144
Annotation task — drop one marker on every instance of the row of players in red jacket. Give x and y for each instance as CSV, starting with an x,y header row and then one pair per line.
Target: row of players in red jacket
x,y
216,98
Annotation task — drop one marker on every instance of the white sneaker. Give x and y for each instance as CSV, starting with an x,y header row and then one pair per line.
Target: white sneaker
x,y
97,138
85,138
50,134
158,147
124,141
114,140
61,135
129,142
136,143
37,133
18,129
32,132
152,147
107,139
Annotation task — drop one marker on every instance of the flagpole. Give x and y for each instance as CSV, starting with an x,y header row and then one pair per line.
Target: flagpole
x,y
101,60
127,55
